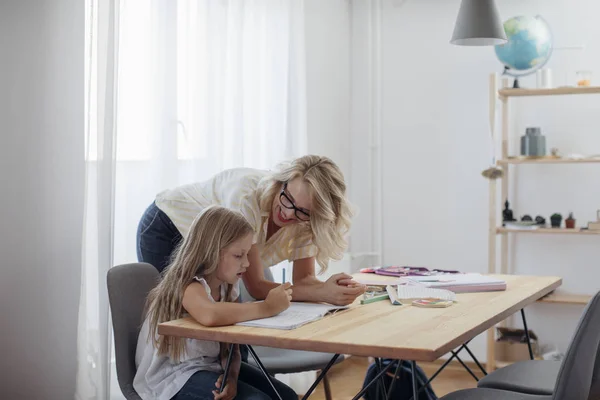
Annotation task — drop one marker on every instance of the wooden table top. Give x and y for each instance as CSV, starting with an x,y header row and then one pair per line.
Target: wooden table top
x,y
381,329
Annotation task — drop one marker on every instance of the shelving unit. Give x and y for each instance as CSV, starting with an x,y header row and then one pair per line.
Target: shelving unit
x,y
495,227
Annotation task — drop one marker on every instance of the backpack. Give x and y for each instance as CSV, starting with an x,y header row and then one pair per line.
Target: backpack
x,y
403,387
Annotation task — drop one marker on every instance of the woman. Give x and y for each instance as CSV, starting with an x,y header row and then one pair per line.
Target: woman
x,y
299,213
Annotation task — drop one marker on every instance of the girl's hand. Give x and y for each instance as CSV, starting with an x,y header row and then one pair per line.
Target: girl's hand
x,y
228,392
279,298
342,290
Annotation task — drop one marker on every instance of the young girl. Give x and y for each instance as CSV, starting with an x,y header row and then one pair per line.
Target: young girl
x,y
202,281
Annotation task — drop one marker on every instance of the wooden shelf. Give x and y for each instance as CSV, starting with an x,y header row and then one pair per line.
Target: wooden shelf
x,y
548,160
575,231
549,92
565,298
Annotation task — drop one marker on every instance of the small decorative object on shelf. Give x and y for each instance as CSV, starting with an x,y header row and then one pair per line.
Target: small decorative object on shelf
x,y
570,221
533,143
540,220
584,78
555,220
526,218
595,225
507,214
554,151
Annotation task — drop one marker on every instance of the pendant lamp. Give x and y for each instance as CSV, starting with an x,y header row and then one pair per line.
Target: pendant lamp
x,y
478,24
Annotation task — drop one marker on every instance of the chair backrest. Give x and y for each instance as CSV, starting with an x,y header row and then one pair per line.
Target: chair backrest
x,y
128,286
577,370
595,388
244,295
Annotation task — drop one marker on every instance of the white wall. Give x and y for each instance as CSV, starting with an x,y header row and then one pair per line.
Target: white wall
x,y
327,27
41,175
435,144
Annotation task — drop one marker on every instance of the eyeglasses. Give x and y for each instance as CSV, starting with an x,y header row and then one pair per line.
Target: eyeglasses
x,y
289,204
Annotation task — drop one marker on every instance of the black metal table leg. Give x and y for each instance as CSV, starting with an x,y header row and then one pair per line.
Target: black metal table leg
x,y
262,368
379,375
391,389
414,379
527,333
227,367
380,382
476,360
320,377
448,361
466,367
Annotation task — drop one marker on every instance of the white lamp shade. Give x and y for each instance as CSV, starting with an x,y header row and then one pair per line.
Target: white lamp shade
x,y
478,24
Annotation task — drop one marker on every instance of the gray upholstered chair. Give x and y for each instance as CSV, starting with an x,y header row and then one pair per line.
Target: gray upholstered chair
x,y
128,286
534,377
578,375
283,361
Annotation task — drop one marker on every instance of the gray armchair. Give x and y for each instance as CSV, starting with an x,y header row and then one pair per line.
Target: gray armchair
x,y
128,286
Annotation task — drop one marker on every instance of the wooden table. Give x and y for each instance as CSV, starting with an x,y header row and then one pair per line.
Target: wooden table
x,y
382,330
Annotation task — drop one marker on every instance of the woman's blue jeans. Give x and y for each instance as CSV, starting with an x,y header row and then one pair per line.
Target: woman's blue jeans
x,y
157,237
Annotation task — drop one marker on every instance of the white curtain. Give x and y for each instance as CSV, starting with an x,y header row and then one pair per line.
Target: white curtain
x,y
176,91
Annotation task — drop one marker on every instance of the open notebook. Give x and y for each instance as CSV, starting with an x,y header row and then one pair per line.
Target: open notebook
x,y
296,315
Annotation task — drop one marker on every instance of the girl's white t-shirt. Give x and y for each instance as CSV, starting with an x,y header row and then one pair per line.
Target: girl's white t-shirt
x,y
158,377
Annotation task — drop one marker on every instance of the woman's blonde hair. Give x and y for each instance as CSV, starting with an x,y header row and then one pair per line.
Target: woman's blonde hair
x,y
331,213
198,254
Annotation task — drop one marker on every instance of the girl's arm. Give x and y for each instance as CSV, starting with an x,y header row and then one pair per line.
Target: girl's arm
x,y
236,362
197,303
230,388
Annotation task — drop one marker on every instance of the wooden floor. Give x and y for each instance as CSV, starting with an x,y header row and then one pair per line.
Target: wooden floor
x,y
346,379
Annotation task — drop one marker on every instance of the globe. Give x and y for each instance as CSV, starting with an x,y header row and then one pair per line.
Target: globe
x,y
529,46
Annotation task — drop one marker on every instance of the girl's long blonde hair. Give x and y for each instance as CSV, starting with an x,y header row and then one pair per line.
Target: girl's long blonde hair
x,y
331,213
198,254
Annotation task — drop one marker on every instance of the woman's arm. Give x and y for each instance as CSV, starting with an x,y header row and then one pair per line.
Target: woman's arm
x,y
197,303
308,287
254,277
339,289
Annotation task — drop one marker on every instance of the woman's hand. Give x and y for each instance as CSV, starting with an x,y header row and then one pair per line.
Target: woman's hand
x,y
341,289
228,392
